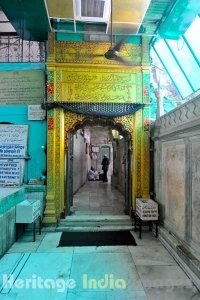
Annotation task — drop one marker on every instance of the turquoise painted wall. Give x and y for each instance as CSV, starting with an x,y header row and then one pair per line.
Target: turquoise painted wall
x,y
80,37
36,166
21,66
18,114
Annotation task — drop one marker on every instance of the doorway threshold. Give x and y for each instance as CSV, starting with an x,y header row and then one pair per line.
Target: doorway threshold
x,y
95,223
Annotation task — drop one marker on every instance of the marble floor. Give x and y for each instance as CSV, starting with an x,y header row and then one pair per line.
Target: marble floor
x,y
41,270
98,198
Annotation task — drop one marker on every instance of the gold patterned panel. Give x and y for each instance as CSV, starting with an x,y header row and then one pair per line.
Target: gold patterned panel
x,y
105,85
58,84
71,120
93,53
79,80
50,209
59,160
51,47
55,166
145,157
127,122
50,149
137,140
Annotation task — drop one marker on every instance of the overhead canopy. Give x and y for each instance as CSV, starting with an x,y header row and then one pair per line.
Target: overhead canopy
x,y
181,59
33,19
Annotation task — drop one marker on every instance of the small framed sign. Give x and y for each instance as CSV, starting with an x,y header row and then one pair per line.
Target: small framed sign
x,y
95,149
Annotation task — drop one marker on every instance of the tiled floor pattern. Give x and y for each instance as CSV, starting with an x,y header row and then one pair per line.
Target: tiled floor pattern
x,y
143,272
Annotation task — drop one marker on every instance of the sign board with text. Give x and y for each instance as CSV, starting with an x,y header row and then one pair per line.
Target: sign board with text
x,y
13,148
13,140
10,173
35,112
22,87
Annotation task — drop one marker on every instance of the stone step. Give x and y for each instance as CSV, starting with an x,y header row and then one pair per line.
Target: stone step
x,y
96,224
95,221
97,217
92,228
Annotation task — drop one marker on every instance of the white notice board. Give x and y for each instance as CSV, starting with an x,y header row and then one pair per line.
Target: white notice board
x,y
35,112
13,140
13,149
10,172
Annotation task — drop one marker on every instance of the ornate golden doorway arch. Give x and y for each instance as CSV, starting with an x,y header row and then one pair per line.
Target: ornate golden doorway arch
x,y
93,121
60,125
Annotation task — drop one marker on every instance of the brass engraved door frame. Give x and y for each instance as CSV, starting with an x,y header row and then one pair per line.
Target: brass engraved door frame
x,y
63,123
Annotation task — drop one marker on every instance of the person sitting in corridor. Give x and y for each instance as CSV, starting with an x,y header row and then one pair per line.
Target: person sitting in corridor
x,y
93,175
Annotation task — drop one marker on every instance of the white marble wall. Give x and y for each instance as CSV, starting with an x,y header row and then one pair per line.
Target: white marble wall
x,y
173,182
177,172
195,179
81,162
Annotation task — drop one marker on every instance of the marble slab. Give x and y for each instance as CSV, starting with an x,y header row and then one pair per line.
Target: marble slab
x,y
173,293
50,244
154,255
7,264
50,270
106,266
137,295
163,276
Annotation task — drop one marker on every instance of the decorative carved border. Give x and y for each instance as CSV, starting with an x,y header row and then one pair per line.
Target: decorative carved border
x,y
179,118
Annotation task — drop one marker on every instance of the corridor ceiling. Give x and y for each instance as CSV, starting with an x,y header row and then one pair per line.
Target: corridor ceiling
x,y
32,20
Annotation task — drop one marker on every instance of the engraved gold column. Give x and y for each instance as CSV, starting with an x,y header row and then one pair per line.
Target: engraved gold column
x,y
50,209
136,157
55,166
55,146
145,130
145,121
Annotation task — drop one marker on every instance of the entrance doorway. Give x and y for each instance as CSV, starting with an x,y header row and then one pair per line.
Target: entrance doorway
x,y
86,148
62,126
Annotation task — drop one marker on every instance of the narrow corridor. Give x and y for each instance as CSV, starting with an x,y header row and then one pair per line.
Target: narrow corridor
x,y
98,198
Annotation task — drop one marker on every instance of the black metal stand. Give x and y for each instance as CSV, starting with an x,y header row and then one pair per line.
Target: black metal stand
x,y
39,220
139,222
34,227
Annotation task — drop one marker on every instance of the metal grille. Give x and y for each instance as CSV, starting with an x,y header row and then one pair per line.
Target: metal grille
x,y
14,49
99,109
